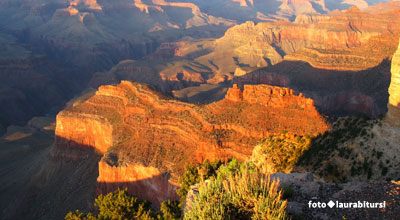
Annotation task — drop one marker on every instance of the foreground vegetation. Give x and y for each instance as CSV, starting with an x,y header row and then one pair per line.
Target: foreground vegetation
x,y
225,191
238,194
233,190
123,206
280,153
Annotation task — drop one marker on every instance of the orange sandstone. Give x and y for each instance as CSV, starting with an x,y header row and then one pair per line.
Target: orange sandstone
x,y
147,139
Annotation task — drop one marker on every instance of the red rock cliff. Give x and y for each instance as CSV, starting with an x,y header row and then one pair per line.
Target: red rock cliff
x,y
147,139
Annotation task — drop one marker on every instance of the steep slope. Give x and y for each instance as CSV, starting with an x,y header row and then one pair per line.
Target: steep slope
x,y
33,185
393,114
354,150
30,84
369,149
147,139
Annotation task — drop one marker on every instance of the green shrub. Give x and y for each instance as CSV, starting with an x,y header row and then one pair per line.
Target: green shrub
x,y
244,194
287,192
170,210
279,153
193,174
118,205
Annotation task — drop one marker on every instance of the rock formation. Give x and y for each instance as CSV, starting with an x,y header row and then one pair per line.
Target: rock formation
x,y
145,182
147,139
343,41
339,42
349,48
393,115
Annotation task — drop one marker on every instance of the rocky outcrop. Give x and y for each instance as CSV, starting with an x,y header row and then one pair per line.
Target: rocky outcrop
x,y
393,115
85,131
137,129
305,190
145,182
270,96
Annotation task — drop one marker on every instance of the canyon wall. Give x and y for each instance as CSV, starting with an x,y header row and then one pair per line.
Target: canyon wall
x,y
81,131
352,46
351,40
146,139
145,182
393,115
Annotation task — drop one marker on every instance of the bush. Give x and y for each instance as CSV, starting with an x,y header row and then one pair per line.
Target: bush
x,y
193,174
287,192
116,205
244,194
279,153
170,210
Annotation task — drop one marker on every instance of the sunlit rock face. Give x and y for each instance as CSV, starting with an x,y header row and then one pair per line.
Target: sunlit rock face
x,y
146,139
393,115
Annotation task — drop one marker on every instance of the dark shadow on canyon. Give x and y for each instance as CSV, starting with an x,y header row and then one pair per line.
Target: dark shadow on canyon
x,y
66,180
336,93
155,189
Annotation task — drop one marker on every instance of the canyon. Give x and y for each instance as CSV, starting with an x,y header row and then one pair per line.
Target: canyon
x,y
78,42
346,50
158,84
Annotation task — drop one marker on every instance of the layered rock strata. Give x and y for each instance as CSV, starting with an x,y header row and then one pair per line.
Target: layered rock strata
x,y
350,40
147,139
